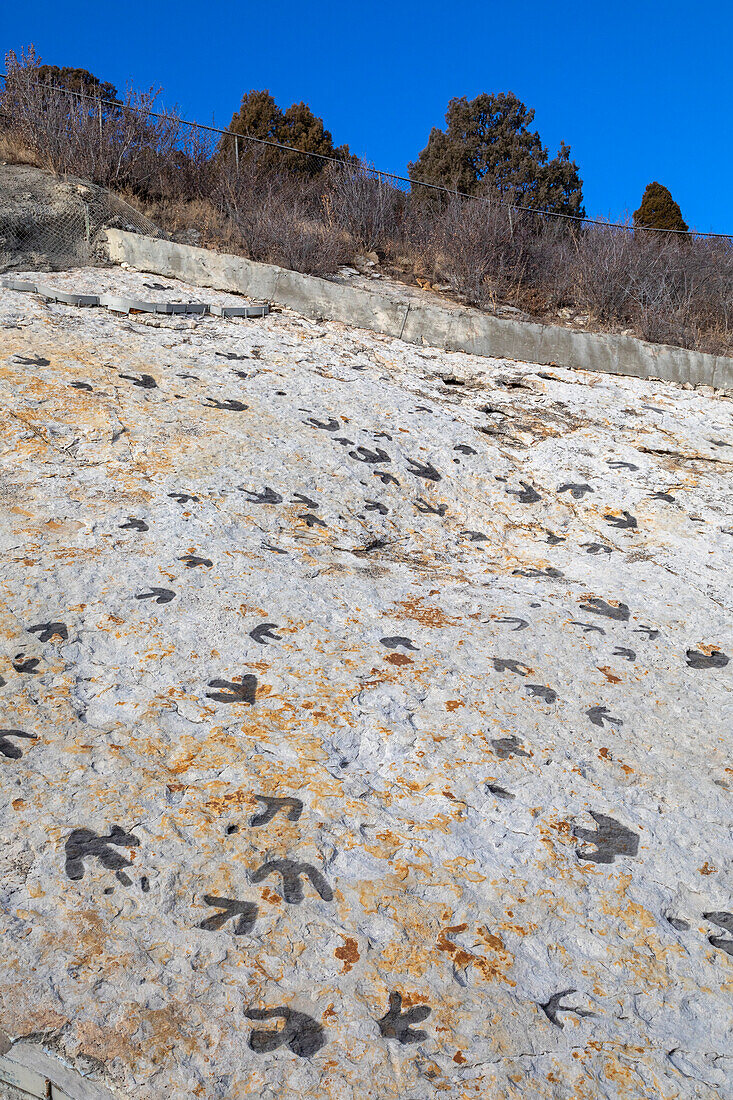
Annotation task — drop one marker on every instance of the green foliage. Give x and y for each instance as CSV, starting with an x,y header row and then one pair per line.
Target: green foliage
x,y
76,80
487,147
259,116
658,210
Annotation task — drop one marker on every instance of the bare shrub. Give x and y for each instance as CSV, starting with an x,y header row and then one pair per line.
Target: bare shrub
x,y
116,145
685,290
669,289
602,270
475,251
490,257
277,217
363,205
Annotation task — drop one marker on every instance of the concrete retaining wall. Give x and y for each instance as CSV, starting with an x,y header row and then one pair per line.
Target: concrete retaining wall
x,y
452,328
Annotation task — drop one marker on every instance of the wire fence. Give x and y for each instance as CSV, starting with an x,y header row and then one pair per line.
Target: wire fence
x,y
60,224
315,213
208,141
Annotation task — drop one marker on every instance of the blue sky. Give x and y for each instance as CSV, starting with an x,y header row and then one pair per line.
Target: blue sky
x,y
641,91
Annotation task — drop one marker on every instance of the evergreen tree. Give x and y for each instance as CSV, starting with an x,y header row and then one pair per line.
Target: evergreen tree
x,y
487,146
658,210
76,80
259,116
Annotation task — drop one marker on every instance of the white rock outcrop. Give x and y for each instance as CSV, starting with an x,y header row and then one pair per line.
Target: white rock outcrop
x,y
366,714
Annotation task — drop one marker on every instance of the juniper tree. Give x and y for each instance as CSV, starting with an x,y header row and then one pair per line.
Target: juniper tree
x,y
75,80
658,210
260,117
488,146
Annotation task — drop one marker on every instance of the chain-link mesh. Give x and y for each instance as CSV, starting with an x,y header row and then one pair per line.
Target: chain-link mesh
x,y
50,224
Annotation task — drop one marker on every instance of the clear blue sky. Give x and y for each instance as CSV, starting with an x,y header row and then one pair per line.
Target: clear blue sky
x,y
641,90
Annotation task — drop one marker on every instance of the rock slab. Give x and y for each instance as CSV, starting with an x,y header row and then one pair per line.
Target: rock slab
x,y
366,715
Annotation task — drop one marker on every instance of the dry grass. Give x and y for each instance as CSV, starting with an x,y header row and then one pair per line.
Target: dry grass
x,y
15,151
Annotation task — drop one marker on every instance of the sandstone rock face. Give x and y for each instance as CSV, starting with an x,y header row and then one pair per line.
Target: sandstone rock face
x,y
366,715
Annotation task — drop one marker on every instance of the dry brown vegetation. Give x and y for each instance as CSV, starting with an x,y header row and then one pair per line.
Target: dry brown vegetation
x,y
13,151
669,288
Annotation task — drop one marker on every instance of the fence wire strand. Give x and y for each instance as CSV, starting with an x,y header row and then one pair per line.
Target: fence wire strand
x,y
378,173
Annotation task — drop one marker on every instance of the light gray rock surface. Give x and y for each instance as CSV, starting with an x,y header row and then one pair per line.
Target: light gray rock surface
x,y
470,618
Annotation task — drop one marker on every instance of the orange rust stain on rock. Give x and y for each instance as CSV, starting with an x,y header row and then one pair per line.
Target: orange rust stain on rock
x,y
268,895
604,754
453,704
649,962
410,998
165,1028
33,1020
706,869
612,679
460,868
216,751
408,957
518,929
618,1073
495,942
556,836
64,524
18,803
398,659
428,616
93,940
225,803
459,1057
490,969
348,953
442,823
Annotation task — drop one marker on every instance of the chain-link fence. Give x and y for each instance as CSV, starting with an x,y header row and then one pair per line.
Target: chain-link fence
x,y
314,213
125,142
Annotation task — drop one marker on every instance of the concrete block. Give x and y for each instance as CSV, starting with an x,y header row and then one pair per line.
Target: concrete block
x,y
22,1078
120,304
35,1073
18,284
51,294
240,311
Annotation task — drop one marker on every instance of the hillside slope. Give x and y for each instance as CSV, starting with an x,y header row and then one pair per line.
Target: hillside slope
x,y
365,714
48,224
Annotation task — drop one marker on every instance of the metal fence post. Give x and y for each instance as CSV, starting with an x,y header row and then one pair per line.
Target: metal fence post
x,y
236,153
